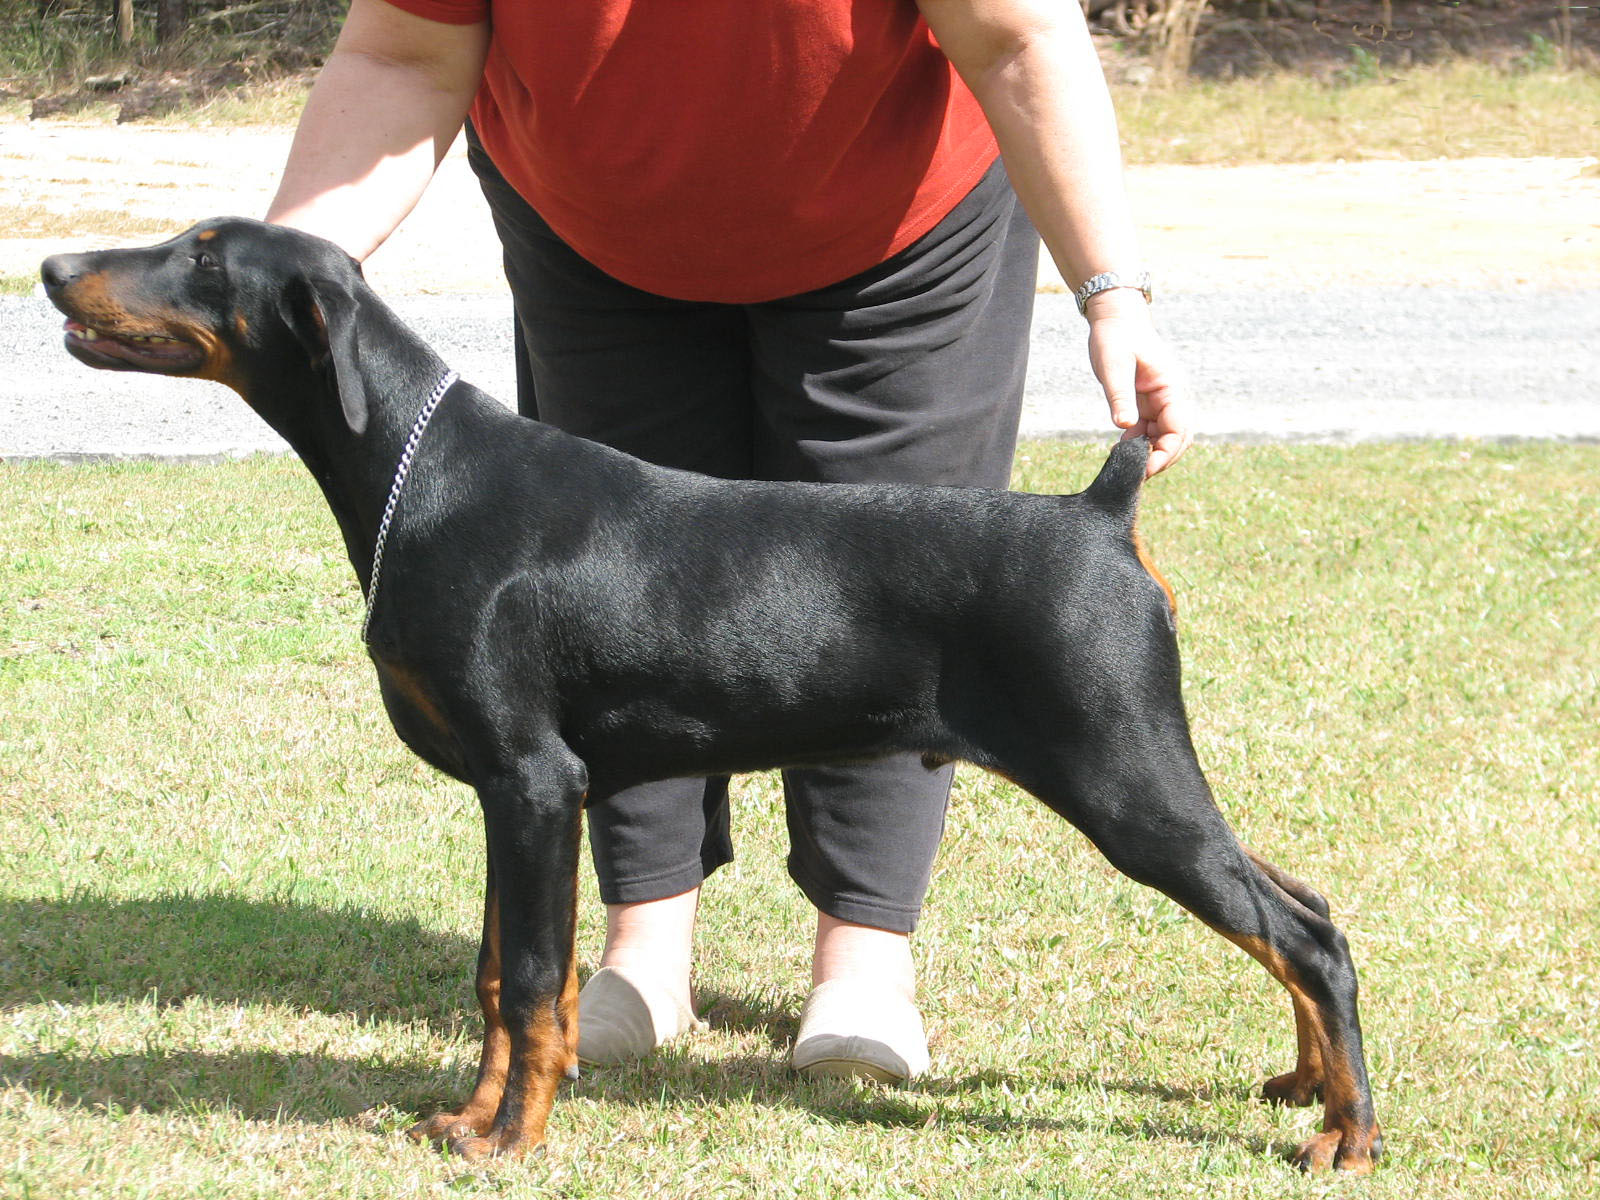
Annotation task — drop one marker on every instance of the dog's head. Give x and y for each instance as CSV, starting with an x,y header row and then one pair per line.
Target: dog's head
x,y
238,301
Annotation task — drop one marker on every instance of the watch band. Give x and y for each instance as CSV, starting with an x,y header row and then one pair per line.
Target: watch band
x,y
1107,281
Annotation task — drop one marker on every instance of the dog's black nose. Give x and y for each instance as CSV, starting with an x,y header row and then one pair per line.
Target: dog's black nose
x,y
59,270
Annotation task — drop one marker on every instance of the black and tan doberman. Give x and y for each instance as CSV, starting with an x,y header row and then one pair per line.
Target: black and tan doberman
x,y
555,621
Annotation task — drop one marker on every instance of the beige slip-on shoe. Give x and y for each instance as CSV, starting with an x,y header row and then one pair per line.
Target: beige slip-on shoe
x,y
850,1029
623,1017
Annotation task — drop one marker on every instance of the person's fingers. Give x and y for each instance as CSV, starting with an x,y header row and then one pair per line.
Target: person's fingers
x,y
1168,430
1144,387
1116,367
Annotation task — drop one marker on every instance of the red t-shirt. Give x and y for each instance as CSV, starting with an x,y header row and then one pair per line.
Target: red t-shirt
x,y
728,150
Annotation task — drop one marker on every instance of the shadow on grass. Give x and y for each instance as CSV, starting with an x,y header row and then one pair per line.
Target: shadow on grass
x,y
945,1103
775,1017
948,1102
254,1085
317,1088
174,948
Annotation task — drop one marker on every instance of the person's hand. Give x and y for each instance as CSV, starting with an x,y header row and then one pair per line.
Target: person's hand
x,y
1140,374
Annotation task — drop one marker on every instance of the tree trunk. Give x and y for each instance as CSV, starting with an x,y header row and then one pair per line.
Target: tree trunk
x,y
172,17
125,22
1176,27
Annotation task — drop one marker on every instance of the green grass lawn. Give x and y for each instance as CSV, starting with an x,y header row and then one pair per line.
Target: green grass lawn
x,y
237,920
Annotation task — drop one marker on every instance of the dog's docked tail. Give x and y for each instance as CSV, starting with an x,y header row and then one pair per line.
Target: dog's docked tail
x,y
1115,492
1116,489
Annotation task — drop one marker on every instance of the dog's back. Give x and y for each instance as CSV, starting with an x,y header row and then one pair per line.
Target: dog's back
x,y
689,617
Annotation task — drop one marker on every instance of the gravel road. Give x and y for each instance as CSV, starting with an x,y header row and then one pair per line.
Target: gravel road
x,y
1291,291
1332,364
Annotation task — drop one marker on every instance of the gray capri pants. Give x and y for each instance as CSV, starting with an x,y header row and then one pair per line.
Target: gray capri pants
x,y
910,372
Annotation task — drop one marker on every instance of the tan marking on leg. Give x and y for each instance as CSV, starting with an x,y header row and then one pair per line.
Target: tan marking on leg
x,y
1303,1085
1341,1143
537,1064
476,1115
542,1054
567,1011
1308,1076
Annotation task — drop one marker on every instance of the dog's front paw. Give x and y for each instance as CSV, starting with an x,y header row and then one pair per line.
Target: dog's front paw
x,y
1296,1089
1334,1150
493,1145
451,1126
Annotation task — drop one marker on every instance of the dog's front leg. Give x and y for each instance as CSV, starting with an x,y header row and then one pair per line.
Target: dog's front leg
x,y
476,1115
532,818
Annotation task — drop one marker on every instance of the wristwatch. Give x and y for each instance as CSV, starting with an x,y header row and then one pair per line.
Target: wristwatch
x,y
1105,282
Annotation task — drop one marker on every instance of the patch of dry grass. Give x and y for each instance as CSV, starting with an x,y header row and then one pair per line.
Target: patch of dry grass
x,y
1453,110
42,221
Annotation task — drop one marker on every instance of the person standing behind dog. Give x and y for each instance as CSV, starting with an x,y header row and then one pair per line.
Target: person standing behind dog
x,y
762,239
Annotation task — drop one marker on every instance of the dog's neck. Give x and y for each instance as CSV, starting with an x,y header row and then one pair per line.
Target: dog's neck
x,y
402,471
356,469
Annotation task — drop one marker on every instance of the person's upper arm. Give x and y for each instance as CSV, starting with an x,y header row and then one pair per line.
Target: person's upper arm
x,y
977,35
445,42
384,111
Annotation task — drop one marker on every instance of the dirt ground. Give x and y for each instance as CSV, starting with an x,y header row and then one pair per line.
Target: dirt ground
x,y
1491,223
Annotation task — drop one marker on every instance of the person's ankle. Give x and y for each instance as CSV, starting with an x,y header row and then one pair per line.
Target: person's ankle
x,y
653,941
862,954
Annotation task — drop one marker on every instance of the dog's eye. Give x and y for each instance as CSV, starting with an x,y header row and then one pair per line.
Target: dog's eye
x,y
205,261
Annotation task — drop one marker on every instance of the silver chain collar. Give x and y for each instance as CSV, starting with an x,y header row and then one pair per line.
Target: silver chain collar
x,y
401,471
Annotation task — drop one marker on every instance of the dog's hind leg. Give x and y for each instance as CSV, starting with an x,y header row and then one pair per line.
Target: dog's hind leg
x,y
1303,1085
1139,795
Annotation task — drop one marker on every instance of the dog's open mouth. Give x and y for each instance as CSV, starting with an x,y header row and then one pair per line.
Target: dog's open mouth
x,y
131,351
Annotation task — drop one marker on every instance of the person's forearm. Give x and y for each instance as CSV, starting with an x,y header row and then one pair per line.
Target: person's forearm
x,y
1040,85
1033,68
374,129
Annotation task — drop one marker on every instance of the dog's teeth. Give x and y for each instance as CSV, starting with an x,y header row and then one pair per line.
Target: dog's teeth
x,y
89,335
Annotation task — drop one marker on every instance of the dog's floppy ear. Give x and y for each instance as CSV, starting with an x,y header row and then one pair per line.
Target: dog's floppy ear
x,y
334,306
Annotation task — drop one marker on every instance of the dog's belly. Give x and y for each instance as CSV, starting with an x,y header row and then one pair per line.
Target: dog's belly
x,y
667,745
716,714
